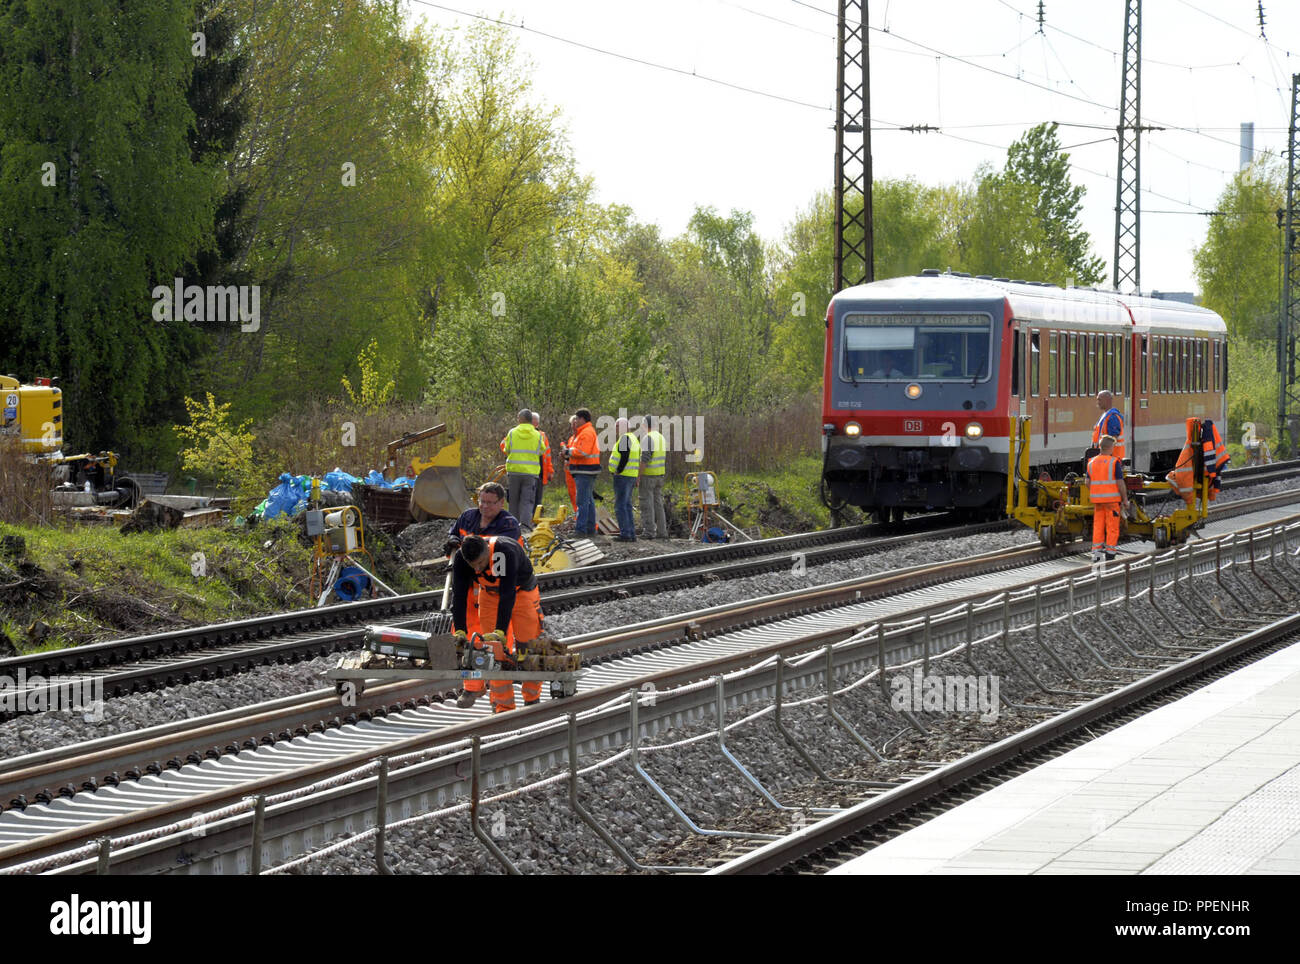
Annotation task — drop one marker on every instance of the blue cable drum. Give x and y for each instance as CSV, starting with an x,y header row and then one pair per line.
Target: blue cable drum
x,y
352,584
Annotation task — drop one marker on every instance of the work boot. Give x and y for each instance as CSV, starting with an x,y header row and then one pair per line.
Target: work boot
x,y
502,709
532,702
467,698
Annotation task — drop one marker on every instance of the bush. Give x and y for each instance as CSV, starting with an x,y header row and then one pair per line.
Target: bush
x,y
24,486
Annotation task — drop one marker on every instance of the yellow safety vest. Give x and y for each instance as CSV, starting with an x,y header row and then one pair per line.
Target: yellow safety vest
x,y
658,449
523,448
633,456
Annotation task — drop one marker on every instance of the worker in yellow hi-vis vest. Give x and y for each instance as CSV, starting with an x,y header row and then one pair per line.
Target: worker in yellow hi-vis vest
x,y
523,448
654,458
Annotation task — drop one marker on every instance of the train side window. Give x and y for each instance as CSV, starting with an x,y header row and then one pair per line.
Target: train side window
x,y
1225,366
1203,363
1185,367
1216,364
1125,367
1071,368
1091,360
1142,365
1053,364
1035,362
1017,364
1108,368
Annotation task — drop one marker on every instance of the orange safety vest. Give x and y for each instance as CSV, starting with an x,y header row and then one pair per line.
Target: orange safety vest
x,y
1183,476
1102,484
1097,433
585,439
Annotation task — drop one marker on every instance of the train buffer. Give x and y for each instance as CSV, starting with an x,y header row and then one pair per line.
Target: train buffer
x,y
1060,512
390,653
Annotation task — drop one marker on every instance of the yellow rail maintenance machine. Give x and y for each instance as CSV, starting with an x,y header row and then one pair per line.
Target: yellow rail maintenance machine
x,y
1061,512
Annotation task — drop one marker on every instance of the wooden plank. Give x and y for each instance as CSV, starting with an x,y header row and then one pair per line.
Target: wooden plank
x,y
200,518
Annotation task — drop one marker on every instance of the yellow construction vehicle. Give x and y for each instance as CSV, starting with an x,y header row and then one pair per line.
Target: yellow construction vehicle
x,y
1061,511
549,551
439,488
33,414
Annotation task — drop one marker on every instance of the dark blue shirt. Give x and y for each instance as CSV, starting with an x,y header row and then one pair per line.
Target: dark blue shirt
x,y
471,521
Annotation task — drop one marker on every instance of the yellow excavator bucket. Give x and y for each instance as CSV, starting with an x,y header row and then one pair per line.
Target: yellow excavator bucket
x,y
439,489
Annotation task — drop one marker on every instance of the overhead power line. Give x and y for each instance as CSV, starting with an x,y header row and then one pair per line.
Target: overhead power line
x,y
628,57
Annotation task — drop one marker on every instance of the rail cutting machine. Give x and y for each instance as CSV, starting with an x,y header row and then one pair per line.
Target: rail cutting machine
x,y
1061,511
432,654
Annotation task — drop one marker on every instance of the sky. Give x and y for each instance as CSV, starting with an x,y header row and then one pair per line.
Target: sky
x,y
677,130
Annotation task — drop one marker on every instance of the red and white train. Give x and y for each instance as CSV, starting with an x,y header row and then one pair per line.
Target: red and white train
x,y
924,375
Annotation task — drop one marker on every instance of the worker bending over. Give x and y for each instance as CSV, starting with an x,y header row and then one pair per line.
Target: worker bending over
x,y
1108,495
509,602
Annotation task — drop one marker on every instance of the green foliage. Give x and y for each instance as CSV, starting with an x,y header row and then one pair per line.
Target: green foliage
x,y
1036,161
97,92
552,329
1252,388
216,447
336,162
1001,234
372,392
1237,266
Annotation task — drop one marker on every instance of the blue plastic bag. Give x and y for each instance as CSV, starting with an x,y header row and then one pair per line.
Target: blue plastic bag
x,y
285,497
339,481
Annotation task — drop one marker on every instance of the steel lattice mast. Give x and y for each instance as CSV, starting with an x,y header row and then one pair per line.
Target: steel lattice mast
x,y
1288,403
854,241
1127,207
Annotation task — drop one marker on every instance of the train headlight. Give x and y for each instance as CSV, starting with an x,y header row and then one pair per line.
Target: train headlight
x,y
852,428
974,430
913,390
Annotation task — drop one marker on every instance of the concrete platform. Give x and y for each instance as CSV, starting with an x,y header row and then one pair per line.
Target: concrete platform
x,y
1207,785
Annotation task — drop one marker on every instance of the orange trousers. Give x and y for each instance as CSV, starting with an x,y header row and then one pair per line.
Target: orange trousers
x,y
1105,527
573,490
525,625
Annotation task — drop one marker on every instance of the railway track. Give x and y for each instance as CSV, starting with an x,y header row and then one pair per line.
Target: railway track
x,y
143,663
712,646
838,839
179,657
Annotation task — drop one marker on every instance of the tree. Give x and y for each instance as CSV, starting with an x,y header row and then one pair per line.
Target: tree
x,y
1000,233
1036,161
100,196
505,177
1237,266
335,160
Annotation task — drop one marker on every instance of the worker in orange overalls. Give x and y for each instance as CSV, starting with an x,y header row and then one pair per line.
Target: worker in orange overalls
x,y
1108,495
1183,476
548,467
509,601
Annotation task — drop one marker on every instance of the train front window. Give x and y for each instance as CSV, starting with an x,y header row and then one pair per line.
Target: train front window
x,y
908,347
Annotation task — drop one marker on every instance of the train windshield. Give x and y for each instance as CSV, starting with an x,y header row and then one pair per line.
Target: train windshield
x,y
916,347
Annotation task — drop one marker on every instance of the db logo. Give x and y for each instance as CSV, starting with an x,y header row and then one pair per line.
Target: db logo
x,y
912,425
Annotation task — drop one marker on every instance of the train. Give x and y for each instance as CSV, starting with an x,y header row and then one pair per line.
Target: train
x,y
924,375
